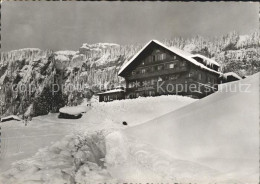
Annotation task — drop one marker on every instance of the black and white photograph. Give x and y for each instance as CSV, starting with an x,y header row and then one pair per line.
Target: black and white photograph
x,y
129,92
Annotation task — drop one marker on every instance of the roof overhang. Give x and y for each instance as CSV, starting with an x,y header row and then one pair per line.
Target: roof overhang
x,y
112,91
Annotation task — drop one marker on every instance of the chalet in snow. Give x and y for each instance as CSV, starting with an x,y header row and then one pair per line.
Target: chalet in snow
x,y
160,70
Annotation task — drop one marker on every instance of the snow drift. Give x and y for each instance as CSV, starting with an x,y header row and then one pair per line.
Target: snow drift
x,y
214,140
217,136
81,157
76,159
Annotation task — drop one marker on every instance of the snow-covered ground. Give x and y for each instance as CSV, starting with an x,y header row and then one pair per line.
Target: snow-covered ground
x,y
168,139
215,139
21,142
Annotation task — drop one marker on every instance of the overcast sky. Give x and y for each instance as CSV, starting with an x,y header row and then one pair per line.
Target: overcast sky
x,y
66,25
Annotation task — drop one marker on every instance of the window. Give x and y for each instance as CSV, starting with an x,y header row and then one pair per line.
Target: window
x,y
153,81
200,76
131,84
133,72
158,57
174,57
149,59
190,74
154,58
171,65
160,67
161,56
143,71
208,79
151,93
174,77
213,81
151,69
183,63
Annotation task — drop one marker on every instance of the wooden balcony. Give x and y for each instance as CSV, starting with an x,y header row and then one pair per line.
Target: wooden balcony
x,y
186,86
158,73
161,83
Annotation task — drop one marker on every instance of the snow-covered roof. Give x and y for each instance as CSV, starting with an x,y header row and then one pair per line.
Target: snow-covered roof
x,y
231,74
11,117
209,61
133,58
177,51
111,91
75,110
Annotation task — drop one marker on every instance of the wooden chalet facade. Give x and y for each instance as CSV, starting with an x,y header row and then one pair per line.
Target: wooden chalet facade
x,y
160,70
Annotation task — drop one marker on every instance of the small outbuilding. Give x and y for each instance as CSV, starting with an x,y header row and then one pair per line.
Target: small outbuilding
x,y
110,95
229,77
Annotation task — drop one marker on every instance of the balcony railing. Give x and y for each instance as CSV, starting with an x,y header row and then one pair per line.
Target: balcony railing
x,y
158,73
180,85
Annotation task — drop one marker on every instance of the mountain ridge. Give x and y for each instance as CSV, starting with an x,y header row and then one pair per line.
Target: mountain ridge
x,y
96,66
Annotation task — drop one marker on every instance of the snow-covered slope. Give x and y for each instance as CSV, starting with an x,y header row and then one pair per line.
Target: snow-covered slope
x,y
213,140
76,158
135,111
217,136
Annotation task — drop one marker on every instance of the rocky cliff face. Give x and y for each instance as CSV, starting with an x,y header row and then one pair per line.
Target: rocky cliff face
x,y
23,76
34,82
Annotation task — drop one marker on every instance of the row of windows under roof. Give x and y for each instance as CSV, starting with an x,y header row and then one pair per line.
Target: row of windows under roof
x,y
200,76
147,82
159,67
152,81
156,57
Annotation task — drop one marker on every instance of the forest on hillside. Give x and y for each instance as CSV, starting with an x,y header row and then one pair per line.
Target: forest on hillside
x,y
97,65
